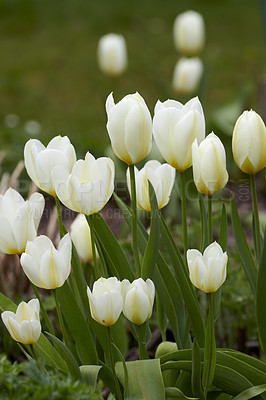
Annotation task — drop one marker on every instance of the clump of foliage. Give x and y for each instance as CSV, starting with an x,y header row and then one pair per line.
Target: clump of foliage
x,y
29,380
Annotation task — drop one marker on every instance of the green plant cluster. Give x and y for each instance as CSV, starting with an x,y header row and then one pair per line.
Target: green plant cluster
x,y
29,380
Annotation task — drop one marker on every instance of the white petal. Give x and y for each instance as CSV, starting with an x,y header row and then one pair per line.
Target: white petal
x,y
31,269
137,306
31,151
8,243
37,203
23,226
53,269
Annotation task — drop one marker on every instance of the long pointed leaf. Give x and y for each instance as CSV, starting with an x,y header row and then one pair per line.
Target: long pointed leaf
x,y
243,248
250,393
261,297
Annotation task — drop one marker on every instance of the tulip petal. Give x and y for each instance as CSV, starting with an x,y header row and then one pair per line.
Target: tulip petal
x,y
8,243
137,305
109,307
31,151
14,329
53,270
37,203
11,202
30,331
31,269
60,179
23,226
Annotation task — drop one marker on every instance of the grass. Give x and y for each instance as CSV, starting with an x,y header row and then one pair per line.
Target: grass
x,y
49,73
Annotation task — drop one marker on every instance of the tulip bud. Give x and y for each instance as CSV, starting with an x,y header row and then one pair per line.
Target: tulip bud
x,y
112,54
106,301
189,33
175,127
208,271
45,266
40,160
187,75
138,298
24,325
81,236
209,165
19,220
162,178
249,142
129,126
88,187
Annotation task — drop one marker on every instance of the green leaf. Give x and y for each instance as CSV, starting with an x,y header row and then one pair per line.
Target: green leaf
x,y
254,362
175,393
66,355
185,285
196,371
111,248
145,381
261,297
152,248
89,374
250,393
77,325
243,248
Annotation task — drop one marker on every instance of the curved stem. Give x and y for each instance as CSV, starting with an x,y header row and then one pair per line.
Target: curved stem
x,y
44,313
111,358
134,219
93,246
210,218
210,347
184,211
257,239
60,317
59,215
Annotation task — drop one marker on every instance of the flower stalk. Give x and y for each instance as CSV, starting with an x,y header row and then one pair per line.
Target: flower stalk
x,y
93,246
257,238
184,210
134,219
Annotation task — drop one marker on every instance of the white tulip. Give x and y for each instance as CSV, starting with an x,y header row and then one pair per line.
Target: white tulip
x,y
19,220
209,165
88,187
208,271
112,54
162,178
187,75
175,127
138,298
106,301
45,266
81,236
24,325
189,33
249,142
40,160
129,127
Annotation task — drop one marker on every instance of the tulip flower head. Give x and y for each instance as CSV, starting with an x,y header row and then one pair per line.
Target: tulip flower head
x,y
88,187
112,54
138,299
105,300
209,165
24,325
161,176
187,75
189,33
208,271
19,220
175,127
129,127
249,142
81,236
45,266
40,160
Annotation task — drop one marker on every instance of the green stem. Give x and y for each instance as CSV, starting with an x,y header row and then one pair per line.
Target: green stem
x,y
184,211
143,355
257,239
33,352
60,317
111,358
134,219
210,348
210,218
44,313
93,246
60,222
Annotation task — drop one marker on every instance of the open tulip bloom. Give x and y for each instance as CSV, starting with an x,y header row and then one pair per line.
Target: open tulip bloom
x,y
161,176
45,266
19,220
207,271
129,127
24,325
88,187
175,127
40,160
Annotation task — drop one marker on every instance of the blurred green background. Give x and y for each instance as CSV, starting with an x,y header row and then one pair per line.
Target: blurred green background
x,y
49,72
